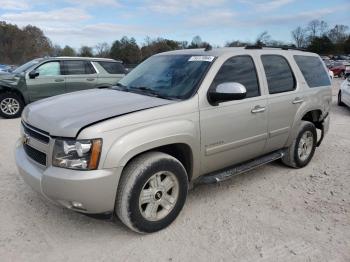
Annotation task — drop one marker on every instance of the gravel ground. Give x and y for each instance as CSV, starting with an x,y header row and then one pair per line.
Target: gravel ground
x,y
273,213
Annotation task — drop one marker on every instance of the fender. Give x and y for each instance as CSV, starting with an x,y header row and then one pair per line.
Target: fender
x,y
297,120
152,136
24,95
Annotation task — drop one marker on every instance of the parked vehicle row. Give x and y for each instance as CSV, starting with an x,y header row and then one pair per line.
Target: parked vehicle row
x,y
341,69
180,117
6,68
46,77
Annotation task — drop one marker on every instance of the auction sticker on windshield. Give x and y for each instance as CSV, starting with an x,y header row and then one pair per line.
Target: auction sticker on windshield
x,y
201,58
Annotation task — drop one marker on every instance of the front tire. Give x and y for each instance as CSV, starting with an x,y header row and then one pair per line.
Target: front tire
x,y
300,153
151,192
11,105
340,103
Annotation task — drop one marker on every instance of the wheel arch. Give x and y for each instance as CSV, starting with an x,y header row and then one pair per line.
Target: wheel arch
x,y
5,89
313,115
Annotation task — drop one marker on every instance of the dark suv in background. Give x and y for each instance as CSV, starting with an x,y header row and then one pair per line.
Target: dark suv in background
x,y
44,77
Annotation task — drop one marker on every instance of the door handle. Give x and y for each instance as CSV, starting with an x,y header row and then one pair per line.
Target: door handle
x,y
258,109
59,80
90,79
298,100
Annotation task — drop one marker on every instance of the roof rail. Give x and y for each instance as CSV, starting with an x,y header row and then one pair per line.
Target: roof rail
x,y
284,47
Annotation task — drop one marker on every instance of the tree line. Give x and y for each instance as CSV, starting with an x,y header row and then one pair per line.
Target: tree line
x,y
18,45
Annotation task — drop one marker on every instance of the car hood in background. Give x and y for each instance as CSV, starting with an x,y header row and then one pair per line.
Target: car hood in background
x,y
66,115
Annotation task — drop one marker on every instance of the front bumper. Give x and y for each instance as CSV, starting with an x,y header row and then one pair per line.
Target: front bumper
x,y
94,190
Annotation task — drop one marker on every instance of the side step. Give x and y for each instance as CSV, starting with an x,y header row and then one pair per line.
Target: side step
x,y
229,172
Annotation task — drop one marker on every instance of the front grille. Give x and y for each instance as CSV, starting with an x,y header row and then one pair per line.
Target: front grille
x,y
31,131
34,154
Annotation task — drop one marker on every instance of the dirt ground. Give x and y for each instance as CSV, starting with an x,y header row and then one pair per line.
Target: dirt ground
x,y
273,213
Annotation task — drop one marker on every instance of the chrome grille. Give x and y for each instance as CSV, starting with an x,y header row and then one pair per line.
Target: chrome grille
x,y
36,133
35,155
36,144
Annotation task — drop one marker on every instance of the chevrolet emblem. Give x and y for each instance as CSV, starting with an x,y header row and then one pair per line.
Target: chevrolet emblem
x,y
25,139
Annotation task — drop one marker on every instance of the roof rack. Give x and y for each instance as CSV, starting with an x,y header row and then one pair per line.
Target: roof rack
x,y
284,47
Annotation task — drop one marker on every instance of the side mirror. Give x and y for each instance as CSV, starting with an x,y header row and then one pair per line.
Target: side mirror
x,y
227,92
33,74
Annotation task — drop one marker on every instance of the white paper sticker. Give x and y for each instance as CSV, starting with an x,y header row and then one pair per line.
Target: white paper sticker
x,y
201,58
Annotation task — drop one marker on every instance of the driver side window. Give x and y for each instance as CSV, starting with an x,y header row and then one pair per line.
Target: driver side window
x,y
240,69
49,69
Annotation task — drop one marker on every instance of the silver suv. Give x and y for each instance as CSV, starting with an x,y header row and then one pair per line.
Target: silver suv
x,y
178,119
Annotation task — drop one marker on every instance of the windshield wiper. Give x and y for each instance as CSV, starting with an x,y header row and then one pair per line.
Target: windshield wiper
x,y
120,87
149,91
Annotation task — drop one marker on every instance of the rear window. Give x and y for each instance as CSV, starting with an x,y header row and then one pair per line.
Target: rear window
x,y
113,67
78,67
313,70
279,75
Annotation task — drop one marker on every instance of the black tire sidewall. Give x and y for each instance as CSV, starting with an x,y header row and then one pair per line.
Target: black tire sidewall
x,y
340,103
136,218
309,127
15,96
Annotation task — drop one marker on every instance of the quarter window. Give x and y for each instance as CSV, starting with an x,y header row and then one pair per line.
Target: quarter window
x,y
240,69
113,67
313,70
49,69
77,67
278,74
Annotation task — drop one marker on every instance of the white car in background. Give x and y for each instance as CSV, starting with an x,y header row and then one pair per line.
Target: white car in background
x,y
344,93
330,73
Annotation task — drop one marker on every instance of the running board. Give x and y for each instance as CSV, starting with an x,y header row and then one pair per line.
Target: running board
x,y
229,172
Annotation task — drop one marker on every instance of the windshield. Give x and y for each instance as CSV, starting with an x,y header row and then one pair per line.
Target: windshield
x,y
167,76
26,66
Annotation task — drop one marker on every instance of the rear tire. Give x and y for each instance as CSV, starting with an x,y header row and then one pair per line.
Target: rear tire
x,y
340,103
300,153
11,105
151,192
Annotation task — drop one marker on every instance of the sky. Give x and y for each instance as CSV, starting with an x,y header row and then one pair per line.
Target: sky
x,y
88,22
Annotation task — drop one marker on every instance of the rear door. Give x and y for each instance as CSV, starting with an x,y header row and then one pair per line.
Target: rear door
x,y
49,82
284,99
79,75
110,72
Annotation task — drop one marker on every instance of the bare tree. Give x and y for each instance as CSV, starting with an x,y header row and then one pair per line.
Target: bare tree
x,y
299,37
338,33
313,28
263,39
323,28
102,49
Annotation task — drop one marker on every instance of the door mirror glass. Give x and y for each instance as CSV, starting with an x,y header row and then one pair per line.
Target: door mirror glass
x,y
227,92
33,74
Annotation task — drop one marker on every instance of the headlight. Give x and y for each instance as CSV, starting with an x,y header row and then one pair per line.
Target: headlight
x,y
77,154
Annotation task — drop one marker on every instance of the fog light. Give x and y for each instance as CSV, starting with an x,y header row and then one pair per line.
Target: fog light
x,y
77,205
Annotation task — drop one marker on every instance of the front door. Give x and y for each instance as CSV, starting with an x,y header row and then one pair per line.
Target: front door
x,y
234,131
48,82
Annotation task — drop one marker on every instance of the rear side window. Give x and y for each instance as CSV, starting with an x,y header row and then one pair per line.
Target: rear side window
x,y
278,74
113,67
78,67
313,70
240,69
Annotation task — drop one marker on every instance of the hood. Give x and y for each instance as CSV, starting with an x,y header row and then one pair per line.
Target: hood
x,y
66,115
9,79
